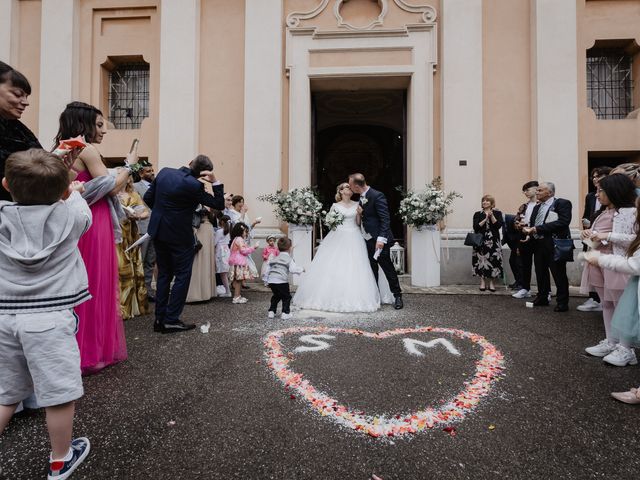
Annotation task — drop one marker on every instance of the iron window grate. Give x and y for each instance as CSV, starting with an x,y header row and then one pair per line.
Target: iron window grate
x,y
129,95
609,83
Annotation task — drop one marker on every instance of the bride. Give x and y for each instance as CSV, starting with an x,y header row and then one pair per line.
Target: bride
x,y
339,278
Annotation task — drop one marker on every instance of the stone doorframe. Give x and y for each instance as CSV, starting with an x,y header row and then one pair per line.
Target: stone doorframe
x,y
415,56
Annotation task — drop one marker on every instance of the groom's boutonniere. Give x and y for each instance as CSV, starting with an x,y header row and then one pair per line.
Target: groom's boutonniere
x,y
363,201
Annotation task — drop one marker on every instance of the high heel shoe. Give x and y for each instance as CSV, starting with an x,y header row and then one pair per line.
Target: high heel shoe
x,y
492,290
482,289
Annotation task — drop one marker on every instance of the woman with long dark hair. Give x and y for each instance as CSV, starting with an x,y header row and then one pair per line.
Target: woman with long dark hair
x,y
611,233
100,330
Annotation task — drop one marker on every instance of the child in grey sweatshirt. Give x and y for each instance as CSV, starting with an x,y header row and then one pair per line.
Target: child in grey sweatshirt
x,y
43,278
279,269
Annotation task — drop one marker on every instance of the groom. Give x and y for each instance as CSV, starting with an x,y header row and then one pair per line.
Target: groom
x,y
376,224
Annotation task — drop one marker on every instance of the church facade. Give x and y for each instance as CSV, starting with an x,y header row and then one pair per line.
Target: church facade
x,y
486,94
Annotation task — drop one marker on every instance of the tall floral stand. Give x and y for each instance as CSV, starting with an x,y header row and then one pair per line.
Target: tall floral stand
x,y
302,241
425,256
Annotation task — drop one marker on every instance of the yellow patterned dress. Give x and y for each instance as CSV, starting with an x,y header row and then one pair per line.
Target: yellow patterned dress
x,y
133,292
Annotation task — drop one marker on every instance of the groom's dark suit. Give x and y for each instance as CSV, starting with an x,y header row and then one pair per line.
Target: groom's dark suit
x,y
376,222
173,197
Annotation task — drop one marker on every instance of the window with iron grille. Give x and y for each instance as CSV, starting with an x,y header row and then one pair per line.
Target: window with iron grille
x,y
129,95
609,82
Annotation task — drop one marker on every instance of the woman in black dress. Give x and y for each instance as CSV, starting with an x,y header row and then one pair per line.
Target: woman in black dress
x,y
14,135
487,258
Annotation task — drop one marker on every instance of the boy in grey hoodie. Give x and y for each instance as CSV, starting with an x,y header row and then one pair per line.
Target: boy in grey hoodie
x,y
279,269
43,278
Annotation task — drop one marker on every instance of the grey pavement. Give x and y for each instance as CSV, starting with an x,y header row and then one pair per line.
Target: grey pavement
x,y
205,406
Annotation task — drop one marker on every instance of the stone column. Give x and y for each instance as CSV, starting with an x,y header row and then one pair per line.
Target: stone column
x,y
8,10
179,74
555,96
263,74
462,140
57,64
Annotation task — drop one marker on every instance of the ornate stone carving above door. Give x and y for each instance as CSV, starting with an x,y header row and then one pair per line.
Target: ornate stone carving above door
x,y
379,20
389,15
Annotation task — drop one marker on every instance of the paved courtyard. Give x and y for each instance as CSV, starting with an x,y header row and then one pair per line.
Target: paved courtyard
x,y
517,400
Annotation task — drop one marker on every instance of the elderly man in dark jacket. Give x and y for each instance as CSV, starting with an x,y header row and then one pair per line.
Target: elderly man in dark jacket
x,y
550,219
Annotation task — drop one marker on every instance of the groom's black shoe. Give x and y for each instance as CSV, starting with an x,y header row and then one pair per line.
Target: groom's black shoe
x,y
177,327
157,326
398,303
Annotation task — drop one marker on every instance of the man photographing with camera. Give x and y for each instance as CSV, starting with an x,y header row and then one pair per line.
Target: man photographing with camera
x,y
173,197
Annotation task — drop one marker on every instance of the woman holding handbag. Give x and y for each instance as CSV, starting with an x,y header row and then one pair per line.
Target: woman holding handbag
x,y
487,258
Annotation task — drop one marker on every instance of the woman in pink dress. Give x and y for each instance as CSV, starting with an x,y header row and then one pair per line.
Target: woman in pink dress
x,y
100,331
611,233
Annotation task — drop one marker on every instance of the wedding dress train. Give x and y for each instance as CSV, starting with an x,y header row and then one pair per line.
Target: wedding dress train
x,y
339,278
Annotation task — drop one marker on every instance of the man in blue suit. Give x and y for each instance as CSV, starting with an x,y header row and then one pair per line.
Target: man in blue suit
x,y
376,230
173,197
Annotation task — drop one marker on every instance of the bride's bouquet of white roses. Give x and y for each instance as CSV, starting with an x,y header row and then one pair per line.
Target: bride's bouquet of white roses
x,y
299,206
333,219
427,207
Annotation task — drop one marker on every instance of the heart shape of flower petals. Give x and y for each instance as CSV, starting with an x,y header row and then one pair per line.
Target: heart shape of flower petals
x,y
489,368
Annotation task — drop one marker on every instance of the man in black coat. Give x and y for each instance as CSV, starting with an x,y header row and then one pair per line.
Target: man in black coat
x,y
376,226
551,219
173,198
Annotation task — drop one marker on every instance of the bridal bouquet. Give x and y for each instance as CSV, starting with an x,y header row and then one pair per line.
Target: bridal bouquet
x,y
333,219
299,206
427,207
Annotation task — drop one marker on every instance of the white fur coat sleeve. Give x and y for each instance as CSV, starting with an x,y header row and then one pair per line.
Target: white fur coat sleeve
x,y
618,263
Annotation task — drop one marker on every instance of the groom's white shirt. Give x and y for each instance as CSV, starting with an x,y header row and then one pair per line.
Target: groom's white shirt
x,y
364,195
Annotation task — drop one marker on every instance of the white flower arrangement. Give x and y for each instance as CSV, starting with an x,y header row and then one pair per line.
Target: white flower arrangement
x,y
333,219
427,207
299,206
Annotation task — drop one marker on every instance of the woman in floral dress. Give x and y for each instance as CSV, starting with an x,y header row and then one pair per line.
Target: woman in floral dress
x,y
487,258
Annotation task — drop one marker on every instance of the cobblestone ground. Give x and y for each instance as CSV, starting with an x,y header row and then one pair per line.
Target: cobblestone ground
x,y
196,405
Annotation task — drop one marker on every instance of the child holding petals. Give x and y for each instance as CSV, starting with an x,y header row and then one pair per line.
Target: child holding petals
x,y
626,318
267,251
238,260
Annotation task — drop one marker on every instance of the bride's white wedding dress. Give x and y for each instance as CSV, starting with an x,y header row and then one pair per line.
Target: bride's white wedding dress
x,y
340,277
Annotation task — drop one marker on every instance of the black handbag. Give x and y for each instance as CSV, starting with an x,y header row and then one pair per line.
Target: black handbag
x,y
563,250
474,239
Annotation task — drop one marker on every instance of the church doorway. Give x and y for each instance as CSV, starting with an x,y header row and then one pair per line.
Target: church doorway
x,y
361,131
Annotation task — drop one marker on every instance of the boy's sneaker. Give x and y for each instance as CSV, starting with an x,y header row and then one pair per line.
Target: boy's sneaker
x,y
522,293
621,357
225,295
220,290
285,316
61,469
590,306
271,314
602,349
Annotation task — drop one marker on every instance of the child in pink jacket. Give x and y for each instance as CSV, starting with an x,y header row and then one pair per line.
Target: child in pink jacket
x,y
238,262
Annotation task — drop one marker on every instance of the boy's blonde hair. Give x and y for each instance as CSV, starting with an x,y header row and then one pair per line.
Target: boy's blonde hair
x,y
36,177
